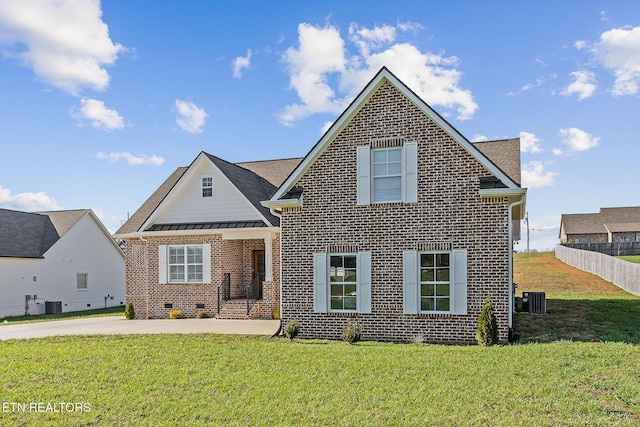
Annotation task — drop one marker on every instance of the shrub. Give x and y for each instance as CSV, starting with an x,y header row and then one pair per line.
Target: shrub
x,y
487,333
276,314
352,332
129,312
175,314
203,315
148,316
418,339
291,329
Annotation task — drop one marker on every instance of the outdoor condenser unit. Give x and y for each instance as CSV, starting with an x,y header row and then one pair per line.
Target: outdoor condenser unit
x,y
534,302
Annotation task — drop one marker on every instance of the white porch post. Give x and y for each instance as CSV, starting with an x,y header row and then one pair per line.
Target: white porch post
x,y
268,258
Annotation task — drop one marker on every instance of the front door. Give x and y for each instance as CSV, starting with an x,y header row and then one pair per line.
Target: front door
x,y
258,265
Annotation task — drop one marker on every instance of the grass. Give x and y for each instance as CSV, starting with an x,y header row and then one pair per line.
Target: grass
x,y
111,311
576,365
631,258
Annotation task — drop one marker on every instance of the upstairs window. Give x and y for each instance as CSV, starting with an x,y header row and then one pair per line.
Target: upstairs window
x,y
386,167
207,186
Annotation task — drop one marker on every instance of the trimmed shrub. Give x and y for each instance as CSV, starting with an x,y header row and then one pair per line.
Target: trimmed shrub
x,y
352,332
175,314
487,333
202,315
148,316
276,314
292,329
129,312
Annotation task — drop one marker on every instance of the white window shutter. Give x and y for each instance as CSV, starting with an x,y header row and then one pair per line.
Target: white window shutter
x,y
206,263
459,281
162,264
410,282
320,283
364,282
363,161
410,172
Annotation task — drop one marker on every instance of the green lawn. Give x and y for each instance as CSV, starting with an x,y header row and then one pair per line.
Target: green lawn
x,y
577,365
111,311
631,258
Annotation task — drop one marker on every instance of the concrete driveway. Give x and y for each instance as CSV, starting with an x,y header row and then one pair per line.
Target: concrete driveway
x,y
114,325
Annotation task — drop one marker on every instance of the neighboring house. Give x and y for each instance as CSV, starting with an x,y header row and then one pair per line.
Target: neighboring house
x,y
396,221
203,242
610,225
60,260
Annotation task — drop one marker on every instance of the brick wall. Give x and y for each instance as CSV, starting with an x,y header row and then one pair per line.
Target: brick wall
x,y
449,212
227,256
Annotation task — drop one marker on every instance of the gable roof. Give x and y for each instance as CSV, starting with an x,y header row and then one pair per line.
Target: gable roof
x,y
256,180
384,75
64,220
25,235
505,154
622,219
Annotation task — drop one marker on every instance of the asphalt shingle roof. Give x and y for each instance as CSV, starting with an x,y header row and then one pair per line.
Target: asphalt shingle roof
x,y
25,235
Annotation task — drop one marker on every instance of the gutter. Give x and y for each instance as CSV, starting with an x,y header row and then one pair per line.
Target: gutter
x,y
510,218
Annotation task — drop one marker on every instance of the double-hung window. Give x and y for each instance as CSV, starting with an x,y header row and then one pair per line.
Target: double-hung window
x,y
184,263
435,282
207,186
387,175
342,282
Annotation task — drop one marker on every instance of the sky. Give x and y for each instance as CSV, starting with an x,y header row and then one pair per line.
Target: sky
x,y
101,101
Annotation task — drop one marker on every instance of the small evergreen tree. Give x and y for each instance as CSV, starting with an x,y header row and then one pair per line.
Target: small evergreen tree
x,y
352,332
487,333
129,312
291,329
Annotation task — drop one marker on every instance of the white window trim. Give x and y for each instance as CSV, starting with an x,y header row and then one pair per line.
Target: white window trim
x,y
164,266
330,283
204,187
398,175
322,283
449,282
86,282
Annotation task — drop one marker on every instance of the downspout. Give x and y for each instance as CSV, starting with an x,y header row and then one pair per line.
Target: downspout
x,y
279,216
146,274
510,217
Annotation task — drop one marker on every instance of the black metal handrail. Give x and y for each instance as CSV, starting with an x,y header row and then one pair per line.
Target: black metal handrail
x,y
254,292
224,290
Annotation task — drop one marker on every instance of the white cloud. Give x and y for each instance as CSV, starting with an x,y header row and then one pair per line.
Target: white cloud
x,y
557,152
583,85
98,115
65,42
28,201
409,26
141,159
240,63
580,44
578,140
534,175
190,118
325,127
619,51
529,143
478,138
321,65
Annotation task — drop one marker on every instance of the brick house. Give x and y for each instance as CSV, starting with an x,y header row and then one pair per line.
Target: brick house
x,y
395,220
202,242
610,225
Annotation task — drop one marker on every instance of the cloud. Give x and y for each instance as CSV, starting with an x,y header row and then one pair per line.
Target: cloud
x,y
529,143
534,175
583,85
326,75
479,138
240,63
98,115
619,50
28,201
141,159
578,140
409,26
580,44
190,118
65,42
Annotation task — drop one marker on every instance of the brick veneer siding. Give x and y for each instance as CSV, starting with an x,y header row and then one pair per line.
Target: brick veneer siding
x,y
227,256
449,212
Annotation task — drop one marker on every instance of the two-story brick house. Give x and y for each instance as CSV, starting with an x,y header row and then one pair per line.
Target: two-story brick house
x,y
395,220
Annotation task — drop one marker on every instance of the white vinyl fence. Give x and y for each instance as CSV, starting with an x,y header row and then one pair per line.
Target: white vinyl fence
x,y
624,274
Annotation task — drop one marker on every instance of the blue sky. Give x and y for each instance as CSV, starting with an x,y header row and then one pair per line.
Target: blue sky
x,y
100,102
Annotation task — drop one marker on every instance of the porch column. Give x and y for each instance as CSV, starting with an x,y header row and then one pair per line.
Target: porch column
x,y
268,258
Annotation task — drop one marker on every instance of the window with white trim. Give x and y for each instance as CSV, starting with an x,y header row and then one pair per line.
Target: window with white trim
x,y
386,175
81,281
342,282
435,282
435,285
185,264
207,186
637,237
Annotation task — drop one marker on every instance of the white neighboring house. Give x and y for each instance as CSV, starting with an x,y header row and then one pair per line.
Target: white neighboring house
x,y
57,261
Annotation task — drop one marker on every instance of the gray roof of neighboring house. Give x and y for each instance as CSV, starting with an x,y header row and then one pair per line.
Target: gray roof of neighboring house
x,y
505,154
255,180
623,219
30,235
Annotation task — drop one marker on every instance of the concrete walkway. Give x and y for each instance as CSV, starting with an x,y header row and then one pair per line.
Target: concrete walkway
x,y
114,325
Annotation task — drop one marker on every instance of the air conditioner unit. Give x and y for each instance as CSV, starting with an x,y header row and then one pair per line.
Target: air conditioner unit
x,y
534,302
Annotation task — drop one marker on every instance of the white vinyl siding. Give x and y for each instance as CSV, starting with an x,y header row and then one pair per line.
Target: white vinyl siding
x,y
342,282
435,282
184,264
387,175
207,186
